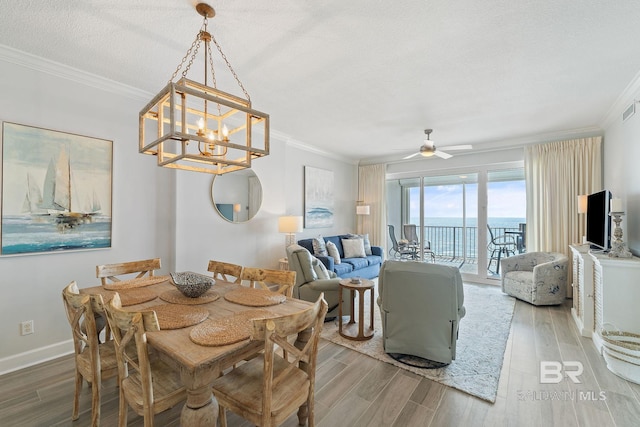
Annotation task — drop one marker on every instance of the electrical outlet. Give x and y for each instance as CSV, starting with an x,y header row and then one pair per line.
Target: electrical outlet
x,y
26,327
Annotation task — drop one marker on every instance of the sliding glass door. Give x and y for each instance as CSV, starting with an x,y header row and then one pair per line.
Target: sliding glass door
x,y
460,217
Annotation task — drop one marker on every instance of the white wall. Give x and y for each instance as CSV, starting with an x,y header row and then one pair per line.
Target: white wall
x,y
157,212
142,207
621,163
203,235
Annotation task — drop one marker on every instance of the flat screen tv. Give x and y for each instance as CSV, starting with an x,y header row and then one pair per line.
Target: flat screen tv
x,y
598,220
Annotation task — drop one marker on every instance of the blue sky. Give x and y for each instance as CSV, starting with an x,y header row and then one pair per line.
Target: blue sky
x,y
507,199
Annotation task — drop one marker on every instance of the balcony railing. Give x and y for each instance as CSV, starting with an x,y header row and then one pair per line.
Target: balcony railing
x,y
448,243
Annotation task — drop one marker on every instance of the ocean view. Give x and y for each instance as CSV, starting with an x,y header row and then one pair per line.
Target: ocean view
x,y
497,222
446,234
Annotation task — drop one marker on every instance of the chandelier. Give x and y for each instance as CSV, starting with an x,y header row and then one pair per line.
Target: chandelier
x,y
197,127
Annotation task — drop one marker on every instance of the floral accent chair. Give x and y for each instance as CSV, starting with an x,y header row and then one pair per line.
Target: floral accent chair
x,y
539,278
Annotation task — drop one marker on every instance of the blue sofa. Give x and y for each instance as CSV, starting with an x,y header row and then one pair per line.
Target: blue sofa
x,y
367,268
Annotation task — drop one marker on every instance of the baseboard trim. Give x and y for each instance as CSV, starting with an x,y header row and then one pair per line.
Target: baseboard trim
x,y
34,357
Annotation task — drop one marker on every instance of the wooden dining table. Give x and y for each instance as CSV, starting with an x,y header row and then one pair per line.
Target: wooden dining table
x,y
200,365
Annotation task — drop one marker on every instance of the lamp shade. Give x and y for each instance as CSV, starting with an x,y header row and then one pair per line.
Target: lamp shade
x,y
237,207
363,210
582,204
290,224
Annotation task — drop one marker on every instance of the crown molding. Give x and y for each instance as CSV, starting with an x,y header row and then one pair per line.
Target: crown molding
x,y
627,97
57,69
292,142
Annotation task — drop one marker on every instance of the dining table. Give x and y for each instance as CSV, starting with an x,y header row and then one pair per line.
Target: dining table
x,y
199,365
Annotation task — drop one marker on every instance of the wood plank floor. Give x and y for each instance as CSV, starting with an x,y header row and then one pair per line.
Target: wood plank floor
x,y
355,390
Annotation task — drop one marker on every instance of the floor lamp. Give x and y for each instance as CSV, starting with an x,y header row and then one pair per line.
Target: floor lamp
x,y
290,225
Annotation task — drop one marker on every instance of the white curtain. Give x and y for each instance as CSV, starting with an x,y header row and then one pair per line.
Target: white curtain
x,y
556,174
371,192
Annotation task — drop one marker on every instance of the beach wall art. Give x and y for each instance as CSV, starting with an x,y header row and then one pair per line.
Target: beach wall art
x,y
318,198
56,191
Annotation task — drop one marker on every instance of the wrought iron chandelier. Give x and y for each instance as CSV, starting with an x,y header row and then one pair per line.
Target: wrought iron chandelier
x,y
197,127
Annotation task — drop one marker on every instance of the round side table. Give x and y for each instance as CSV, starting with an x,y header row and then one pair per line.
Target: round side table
x,y
349,330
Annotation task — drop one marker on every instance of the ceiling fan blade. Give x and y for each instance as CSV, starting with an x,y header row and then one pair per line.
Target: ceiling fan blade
x,y
410,156
442,154
459,147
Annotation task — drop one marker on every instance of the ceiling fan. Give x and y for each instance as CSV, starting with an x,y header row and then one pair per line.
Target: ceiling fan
x,y
428,148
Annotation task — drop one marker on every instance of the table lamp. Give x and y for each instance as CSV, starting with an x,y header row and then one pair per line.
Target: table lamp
x,y
582,209
290,225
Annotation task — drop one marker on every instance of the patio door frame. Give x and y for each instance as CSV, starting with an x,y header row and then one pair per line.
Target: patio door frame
x,y
482,275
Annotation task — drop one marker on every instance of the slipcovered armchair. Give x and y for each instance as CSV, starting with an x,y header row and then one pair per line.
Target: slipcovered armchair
x,y
421,306
539,278
312,279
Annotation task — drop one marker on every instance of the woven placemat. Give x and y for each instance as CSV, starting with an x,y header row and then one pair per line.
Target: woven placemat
x,y
174,296
254,297
129,296
226,330
176,316
135,283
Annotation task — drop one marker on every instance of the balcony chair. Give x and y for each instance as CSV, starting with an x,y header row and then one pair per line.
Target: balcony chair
x,y
268,389
411,234
225,271
278,281
94,361
146,383
397,250
500,245
421,306
539,278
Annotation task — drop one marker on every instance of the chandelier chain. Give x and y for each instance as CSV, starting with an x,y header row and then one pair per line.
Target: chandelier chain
x,y
235,76
213,75
195,45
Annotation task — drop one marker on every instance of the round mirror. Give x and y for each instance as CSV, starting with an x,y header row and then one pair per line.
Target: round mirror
x,y
237,196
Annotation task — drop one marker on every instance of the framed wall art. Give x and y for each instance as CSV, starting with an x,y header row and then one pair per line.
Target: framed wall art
x,y
56,191
318,198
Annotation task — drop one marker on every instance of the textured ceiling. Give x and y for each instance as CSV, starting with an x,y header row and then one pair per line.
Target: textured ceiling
x,y
364,78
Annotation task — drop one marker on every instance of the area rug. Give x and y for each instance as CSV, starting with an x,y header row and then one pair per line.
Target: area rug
x,y
480,350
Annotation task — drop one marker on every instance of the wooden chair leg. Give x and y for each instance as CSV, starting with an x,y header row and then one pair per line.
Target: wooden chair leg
x,y
222,416
76,397
122,409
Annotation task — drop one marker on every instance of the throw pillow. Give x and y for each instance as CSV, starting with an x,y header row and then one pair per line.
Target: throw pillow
x,y
319,247
365,239
333,252
320,269
353,248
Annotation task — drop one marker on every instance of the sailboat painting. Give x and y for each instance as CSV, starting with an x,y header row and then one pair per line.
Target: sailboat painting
x,y
56,191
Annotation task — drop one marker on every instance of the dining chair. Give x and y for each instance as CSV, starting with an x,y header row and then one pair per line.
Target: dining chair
x,y
269,388
268,279
108,272
225,271
146,383
95,361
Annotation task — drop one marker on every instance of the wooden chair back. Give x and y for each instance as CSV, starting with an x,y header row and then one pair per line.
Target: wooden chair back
x,y
136,369
109,272
268,389
269,279
225,271
94,361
